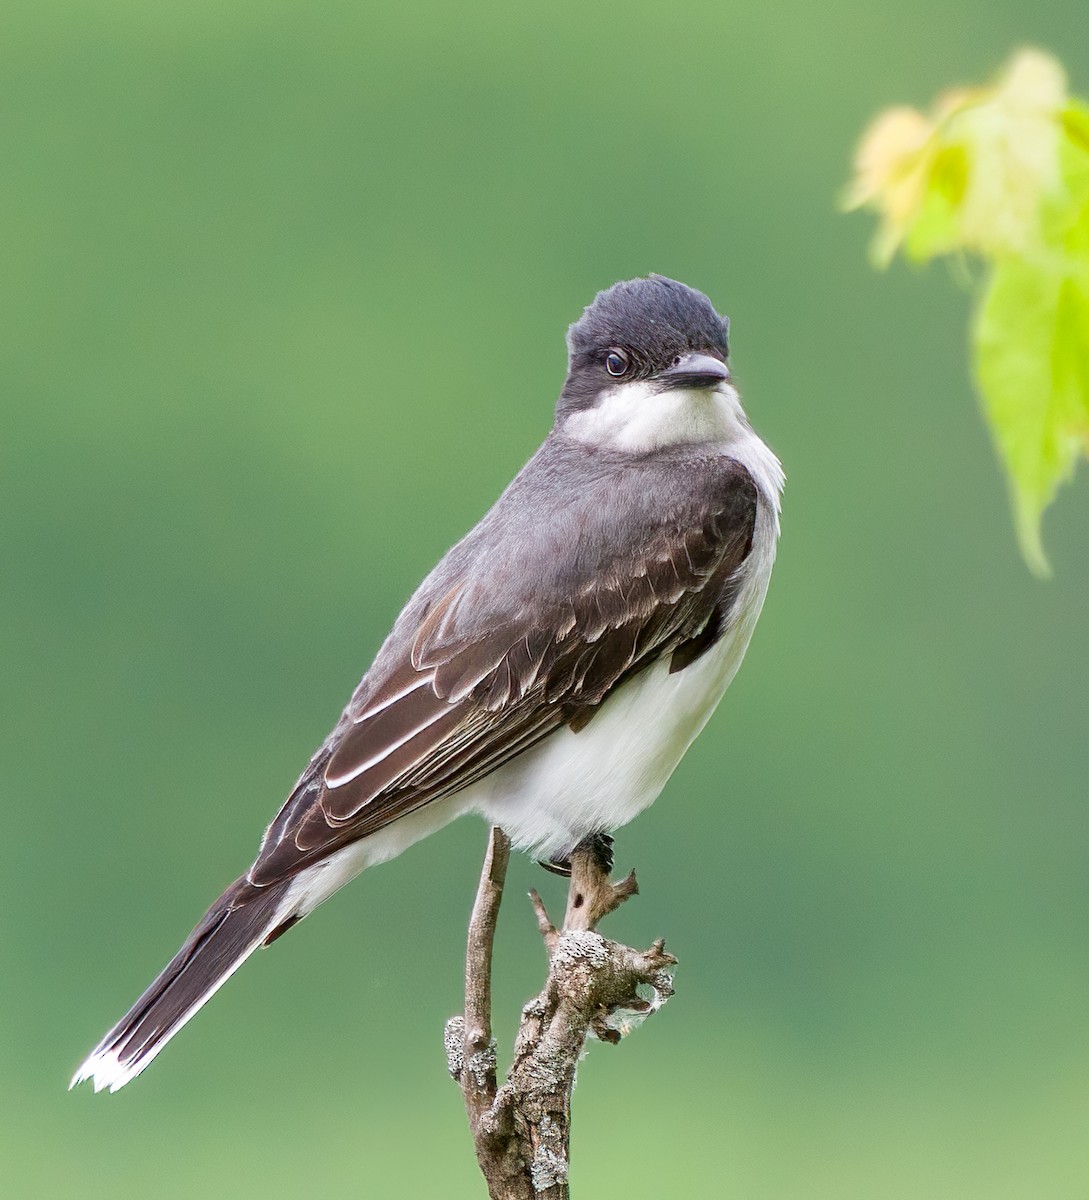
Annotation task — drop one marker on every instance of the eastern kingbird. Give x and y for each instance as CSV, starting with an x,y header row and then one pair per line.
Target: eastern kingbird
x,y
553,668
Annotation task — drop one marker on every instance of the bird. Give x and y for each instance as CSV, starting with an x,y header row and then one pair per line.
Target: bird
x,y
554,667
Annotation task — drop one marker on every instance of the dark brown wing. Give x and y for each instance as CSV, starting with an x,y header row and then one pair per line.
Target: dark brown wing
x,y
496,662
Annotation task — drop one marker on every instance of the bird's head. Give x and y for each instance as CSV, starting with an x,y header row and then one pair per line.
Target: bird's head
x,y
647,369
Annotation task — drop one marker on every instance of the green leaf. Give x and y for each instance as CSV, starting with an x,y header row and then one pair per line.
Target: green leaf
x,y
1031,340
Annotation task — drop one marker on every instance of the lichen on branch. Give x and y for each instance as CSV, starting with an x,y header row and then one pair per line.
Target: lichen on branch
x,y
595,987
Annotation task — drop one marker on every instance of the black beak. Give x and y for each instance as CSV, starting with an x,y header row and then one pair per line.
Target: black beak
x,y
694,371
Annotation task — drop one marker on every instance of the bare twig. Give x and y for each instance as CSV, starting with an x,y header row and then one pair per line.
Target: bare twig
x,y
470,1047
595,986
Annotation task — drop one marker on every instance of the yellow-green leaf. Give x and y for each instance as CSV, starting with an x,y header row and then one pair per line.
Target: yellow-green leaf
x,y
1032,364
1003,173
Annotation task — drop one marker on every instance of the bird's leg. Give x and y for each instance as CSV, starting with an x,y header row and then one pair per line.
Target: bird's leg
x,y
600,845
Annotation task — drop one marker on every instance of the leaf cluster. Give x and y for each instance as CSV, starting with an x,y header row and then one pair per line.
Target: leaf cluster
x,y
1001,173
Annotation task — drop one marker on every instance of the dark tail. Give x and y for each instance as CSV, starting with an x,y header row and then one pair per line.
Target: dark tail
x,y
242,919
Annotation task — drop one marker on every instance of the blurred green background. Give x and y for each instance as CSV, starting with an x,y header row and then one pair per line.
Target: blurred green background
x,y
283,294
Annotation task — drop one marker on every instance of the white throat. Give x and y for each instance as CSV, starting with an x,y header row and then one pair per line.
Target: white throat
x,y
639,416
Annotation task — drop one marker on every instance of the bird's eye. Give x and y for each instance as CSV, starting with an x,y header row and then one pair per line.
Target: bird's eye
x,y
616,362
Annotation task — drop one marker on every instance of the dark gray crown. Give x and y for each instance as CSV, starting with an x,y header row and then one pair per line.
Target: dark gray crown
x,y
656,317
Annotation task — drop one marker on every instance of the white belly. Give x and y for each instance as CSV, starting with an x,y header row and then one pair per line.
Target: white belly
x,y
573,784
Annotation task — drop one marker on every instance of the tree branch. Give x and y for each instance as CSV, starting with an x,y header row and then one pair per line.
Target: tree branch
x,y
595,986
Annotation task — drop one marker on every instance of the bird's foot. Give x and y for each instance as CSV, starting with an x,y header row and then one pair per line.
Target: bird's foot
x,y
598,845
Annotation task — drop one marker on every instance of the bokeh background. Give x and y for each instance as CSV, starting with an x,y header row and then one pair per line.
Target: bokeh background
x,y
281,310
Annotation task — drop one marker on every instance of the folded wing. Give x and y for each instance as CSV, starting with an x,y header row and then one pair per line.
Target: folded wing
x,y
483,668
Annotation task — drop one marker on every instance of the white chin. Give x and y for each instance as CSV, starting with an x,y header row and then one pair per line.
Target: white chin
x,y
637,417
